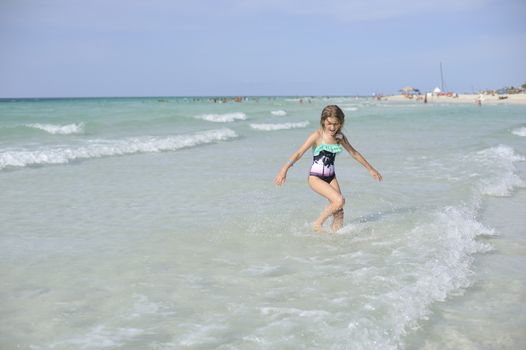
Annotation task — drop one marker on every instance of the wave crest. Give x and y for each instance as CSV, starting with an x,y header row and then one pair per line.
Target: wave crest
x,y
59,129
280,126
223,118
279,113
421,276
106,148
501,160
519,131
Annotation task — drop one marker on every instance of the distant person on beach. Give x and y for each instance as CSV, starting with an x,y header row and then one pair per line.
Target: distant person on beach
x,y
326,142
480,99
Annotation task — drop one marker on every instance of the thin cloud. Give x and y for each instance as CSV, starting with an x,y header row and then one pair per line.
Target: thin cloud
x,y
343,10
158,14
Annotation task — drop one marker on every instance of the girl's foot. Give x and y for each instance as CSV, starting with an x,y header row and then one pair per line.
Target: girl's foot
x,y
317,228
337,223
336,227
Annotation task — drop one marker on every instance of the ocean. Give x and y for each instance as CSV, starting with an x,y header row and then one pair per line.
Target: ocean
x,y
154,223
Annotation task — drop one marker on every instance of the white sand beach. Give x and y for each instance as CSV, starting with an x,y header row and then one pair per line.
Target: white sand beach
x,y
464,98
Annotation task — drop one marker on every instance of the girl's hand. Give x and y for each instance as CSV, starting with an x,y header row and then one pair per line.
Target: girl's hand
x,y
280,179
376,175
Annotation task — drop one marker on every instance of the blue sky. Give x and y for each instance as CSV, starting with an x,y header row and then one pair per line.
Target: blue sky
x,y
67,48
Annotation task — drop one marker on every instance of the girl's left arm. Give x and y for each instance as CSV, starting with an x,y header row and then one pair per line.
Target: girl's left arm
x,y
360,159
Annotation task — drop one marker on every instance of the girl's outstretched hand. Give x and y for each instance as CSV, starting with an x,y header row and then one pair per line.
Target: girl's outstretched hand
x,y
376,175
280,179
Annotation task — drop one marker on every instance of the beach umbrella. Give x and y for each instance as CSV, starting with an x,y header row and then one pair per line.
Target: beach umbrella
x,y
407,89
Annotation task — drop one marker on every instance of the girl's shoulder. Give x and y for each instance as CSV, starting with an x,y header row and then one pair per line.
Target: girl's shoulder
x,y
316,133
341,138
315,136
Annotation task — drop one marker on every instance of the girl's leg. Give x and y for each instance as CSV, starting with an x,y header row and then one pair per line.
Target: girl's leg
x,y
337,222
336,200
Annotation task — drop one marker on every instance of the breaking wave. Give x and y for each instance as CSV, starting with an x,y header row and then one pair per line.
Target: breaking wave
x,y
59,129
107,148
279,113
279,126
503,179
519,132
223,118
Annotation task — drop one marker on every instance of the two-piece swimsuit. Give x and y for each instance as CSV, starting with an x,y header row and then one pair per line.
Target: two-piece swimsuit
x,y
323,161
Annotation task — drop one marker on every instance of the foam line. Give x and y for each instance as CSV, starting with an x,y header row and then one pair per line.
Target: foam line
x,y
108,148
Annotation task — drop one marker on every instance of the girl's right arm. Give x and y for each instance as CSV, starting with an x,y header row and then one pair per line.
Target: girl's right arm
x,y
311,140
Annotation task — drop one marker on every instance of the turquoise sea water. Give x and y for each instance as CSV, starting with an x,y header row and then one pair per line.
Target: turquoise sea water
x,y
153,223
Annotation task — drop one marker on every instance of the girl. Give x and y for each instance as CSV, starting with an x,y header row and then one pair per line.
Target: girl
x,y
326,142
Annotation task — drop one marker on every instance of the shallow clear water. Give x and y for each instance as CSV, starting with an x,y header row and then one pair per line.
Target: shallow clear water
x,y
154,224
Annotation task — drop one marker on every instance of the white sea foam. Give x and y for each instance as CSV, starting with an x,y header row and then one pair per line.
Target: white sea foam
x,y
199,335
442,269
350,109
105,148
144,306
99,337
503,179
432,262
503,187
59,129
279,113
223,118
519,132
262,270
280,126
284,312
500,153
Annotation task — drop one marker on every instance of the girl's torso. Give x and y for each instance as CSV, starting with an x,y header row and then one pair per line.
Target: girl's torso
x,y
324,154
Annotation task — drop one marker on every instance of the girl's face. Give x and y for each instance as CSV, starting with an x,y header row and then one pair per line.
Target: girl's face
x,y
332,125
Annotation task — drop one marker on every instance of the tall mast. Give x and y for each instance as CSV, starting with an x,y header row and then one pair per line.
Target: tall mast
x,y
441,78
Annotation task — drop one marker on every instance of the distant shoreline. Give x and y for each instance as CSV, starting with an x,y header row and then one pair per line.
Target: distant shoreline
x,y
7,99
511,99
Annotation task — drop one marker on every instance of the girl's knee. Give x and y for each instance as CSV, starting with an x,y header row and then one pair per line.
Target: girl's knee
x,y
339,202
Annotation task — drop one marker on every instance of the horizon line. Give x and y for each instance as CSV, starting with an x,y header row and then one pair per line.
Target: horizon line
x,y
175,96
